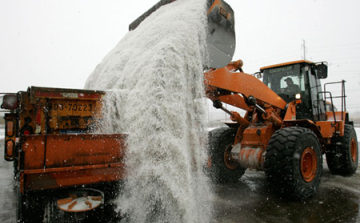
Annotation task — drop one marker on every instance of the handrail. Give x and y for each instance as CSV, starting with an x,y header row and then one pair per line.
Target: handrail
x,y
343,95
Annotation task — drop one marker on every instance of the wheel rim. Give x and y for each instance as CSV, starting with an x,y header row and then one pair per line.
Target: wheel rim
x,y
229,162
308,164
353,149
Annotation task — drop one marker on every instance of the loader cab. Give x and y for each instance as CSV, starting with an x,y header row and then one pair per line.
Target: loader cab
x,y
299,77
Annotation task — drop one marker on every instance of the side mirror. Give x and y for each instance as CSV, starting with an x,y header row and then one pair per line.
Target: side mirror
x,y
258,75
322,71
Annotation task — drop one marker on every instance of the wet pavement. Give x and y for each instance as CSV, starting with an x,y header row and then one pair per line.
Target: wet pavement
x,y
249,200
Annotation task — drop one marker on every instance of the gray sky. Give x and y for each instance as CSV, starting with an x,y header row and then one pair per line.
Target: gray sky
x,y
58,43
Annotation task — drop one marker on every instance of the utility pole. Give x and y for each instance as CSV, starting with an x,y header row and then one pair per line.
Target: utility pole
x,y
303,47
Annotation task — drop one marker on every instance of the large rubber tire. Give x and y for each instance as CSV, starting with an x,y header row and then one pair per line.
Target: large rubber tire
x,y
220,168
349,154
293,162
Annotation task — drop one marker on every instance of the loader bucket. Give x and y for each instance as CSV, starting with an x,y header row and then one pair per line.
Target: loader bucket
x,y
221,31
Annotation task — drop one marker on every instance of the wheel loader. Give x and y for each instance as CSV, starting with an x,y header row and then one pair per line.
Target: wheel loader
x,y
285,129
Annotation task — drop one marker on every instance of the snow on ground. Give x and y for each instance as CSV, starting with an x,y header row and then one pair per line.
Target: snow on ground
x,y
2,132
357,129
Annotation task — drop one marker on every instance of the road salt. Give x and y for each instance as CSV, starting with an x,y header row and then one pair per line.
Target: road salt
x,y
154,77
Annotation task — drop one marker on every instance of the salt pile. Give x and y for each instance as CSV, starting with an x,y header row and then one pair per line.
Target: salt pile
x,y
154,77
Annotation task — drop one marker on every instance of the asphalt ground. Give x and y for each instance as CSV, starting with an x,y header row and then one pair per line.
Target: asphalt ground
x,y
252,200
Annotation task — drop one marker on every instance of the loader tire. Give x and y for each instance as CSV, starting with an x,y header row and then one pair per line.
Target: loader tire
x,y
348,161
293,162
220,168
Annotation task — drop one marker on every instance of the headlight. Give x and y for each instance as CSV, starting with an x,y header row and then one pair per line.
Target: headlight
x,y
298,96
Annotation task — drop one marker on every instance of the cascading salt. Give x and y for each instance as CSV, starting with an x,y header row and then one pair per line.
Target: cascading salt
x,y
154,79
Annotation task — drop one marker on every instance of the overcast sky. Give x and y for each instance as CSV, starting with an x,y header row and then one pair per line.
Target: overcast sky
x,y
58,43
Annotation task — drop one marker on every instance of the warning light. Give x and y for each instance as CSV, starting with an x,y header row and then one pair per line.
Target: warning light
x,y
9,102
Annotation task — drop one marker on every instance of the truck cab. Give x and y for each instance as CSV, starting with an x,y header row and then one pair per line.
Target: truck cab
x,y
299,79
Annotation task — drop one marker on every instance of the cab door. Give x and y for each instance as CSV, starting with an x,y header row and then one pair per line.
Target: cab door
x,y
317,100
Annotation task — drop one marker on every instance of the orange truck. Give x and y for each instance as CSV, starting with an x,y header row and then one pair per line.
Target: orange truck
x,y
48,136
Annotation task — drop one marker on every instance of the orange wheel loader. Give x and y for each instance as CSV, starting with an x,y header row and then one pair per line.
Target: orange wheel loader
x,y
285,129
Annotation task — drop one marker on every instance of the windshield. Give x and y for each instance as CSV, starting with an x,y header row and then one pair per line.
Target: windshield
x,y
286,81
